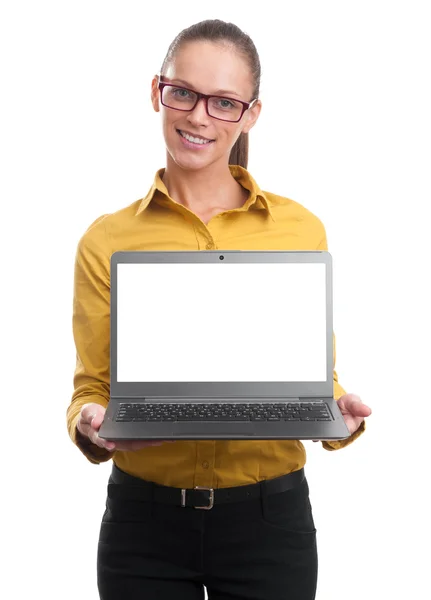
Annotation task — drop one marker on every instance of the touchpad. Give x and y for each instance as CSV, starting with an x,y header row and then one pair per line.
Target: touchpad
x,y
213,429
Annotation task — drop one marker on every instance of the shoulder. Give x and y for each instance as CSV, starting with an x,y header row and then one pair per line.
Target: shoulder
x,y
99,231
95,233
92,253
286,207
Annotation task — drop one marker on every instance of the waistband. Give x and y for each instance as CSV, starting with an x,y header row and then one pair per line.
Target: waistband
x,y
123,485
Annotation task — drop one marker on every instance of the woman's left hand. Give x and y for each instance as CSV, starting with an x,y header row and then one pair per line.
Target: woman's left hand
x,y
353,410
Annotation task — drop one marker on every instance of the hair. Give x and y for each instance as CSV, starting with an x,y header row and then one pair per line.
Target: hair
x,y
215,30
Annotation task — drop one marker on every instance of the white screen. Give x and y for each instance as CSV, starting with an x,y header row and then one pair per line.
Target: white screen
x,y
221,322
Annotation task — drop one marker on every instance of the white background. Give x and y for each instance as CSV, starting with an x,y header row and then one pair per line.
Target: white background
x,y
345,131
290,349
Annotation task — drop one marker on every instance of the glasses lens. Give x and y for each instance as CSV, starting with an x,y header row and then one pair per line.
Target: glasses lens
x,y
224,108
179,98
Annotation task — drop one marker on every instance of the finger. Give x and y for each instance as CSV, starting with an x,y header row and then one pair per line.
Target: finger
x,y
97,420
103,443
359,409
93,436
94,415
350,402
363,410
88,411
83,428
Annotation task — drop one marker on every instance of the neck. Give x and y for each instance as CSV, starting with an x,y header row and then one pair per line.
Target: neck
x,y
204,189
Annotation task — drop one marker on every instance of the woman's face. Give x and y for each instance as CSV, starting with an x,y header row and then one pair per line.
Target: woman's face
x,y
208,68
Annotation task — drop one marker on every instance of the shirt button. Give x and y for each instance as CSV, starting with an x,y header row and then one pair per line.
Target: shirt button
x,y
209,246
205,464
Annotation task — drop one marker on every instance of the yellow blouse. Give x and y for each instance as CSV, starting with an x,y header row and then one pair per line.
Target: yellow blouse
x,y
156,222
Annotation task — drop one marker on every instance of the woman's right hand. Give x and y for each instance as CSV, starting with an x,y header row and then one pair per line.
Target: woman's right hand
x,y
90,420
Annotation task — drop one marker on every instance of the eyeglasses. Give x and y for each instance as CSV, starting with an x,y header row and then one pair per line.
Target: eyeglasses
x,y
219,107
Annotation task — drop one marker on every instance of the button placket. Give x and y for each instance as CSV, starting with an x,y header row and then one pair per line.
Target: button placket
x,y
205,458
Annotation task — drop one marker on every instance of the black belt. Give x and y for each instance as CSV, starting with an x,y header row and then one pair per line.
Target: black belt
x,y
123,485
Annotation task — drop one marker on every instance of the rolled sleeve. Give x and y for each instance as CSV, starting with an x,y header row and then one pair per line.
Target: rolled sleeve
x,y
338,392
91,333
338,389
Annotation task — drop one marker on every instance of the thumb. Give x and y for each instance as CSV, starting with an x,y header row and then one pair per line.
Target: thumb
x,y
94,414
97,419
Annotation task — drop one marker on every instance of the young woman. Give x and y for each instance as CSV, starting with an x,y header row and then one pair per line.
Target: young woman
x,y
258,541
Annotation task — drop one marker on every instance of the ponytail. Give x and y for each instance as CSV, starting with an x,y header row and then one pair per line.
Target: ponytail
x,y
239,152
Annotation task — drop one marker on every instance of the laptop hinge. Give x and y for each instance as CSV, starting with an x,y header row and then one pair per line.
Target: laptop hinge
x,y
246,399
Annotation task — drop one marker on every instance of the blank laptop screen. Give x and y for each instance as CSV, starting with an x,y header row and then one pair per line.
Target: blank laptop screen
x,y
232,322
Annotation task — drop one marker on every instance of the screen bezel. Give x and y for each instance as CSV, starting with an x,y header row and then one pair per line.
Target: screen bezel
x,y
222,388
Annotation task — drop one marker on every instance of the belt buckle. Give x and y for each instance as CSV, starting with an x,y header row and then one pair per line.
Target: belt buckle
x,y
211,498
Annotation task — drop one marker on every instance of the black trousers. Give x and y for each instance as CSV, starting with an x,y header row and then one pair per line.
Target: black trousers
x,y
257,549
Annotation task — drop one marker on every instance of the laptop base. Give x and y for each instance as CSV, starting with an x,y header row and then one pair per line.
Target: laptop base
x,y
335,429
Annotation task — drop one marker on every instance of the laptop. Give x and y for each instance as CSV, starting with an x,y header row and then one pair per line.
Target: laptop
x,y
221,344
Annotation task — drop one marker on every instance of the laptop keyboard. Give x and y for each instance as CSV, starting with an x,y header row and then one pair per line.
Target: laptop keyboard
x,y
295,411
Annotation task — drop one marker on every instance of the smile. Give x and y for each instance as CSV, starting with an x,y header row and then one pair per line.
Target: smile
x,y
194,140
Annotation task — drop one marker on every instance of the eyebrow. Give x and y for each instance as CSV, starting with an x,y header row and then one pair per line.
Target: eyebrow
x,y
215,93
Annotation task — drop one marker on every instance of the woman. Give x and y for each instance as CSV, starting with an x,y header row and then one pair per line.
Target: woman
x,y
259,539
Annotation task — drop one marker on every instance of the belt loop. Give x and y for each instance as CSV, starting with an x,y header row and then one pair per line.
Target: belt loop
x,y
151,502
263,488
151,491
263,496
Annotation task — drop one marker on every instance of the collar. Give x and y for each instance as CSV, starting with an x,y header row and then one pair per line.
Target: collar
x,y
241,175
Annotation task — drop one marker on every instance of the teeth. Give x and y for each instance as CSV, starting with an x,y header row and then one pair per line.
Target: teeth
x,y
193,139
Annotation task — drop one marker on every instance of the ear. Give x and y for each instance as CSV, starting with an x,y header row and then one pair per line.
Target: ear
x,y
252,116
155,94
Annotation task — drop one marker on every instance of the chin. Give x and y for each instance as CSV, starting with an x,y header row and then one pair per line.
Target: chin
x,y
190,163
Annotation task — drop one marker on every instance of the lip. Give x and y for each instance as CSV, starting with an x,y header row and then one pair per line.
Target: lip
x,y
192,146
196,135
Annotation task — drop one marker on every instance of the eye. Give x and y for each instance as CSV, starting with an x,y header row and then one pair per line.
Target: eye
x,y
180,92
224,103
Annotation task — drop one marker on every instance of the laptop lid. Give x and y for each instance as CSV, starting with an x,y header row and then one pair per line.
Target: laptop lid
x,y
225,323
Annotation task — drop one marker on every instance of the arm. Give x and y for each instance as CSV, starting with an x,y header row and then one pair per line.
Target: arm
x,y
338,389
91,332
338,392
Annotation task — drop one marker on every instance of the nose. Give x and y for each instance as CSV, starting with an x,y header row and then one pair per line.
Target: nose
x,y
199,114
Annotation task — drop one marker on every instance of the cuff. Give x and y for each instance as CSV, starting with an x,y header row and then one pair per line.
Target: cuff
x,y
338,444
95,454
